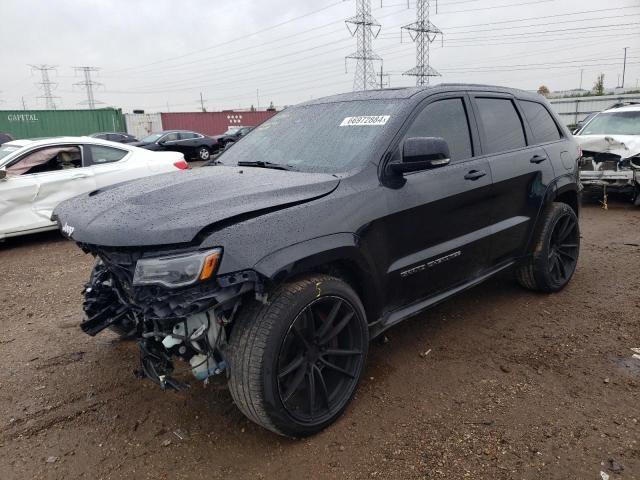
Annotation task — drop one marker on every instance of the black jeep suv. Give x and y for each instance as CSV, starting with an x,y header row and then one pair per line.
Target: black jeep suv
x,y
325,226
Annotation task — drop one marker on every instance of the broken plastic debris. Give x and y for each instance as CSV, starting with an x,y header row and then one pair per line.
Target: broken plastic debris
x,y
604,475
423,355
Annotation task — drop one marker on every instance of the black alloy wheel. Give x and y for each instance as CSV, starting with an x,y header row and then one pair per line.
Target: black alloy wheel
x,y
295,360
563,249
555,251
320,360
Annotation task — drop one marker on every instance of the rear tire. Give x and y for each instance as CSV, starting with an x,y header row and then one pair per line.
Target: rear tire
x,y
295,362
555,254
204,153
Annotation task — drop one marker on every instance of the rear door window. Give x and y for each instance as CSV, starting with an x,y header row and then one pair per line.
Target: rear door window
x,y
446,119
187,136
542,125
501,125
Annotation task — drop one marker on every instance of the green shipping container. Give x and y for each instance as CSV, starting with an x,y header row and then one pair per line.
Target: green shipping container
x,y
55,123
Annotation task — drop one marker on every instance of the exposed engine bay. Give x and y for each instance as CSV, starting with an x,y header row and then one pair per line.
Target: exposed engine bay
x,y
189,324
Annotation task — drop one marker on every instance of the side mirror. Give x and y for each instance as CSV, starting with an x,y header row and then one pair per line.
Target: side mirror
x,y
422,153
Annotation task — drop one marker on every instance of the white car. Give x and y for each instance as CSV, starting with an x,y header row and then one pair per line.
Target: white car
x,y
36,175
610,144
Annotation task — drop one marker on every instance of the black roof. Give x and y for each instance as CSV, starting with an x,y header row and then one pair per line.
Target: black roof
x,y
409,92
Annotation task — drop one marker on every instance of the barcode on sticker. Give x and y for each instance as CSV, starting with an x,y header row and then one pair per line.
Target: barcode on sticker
x,y
365,120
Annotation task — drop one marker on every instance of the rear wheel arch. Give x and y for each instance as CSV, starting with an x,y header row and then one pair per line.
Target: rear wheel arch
x,y
563,189
571,198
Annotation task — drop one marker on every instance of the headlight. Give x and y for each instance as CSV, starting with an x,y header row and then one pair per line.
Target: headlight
x,y
177,270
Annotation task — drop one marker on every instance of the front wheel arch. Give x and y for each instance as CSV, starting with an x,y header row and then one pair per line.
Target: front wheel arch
x,y
337,255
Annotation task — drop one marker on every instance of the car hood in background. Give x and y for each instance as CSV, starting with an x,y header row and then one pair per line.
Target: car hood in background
x,y
174,208
140,144
624,146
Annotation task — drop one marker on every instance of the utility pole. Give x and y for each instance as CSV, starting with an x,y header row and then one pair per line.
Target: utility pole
x,y
24,105
88,85
381,78
258,98
365,28
624,66
423,33
581,72
202,103
47,85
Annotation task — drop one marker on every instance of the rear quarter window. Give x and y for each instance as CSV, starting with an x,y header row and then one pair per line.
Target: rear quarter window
x,y
541,122
102,154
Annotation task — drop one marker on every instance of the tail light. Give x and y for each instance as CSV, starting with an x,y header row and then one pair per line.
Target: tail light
x,y
181,165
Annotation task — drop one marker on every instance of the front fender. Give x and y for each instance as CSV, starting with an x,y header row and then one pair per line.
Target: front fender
x,y
339,249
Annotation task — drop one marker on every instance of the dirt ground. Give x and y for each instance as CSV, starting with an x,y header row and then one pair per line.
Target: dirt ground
x,y
515,385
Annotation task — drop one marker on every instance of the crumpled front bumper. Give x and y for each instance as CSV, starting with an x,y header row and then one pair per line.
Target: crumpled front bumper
x,y
610,178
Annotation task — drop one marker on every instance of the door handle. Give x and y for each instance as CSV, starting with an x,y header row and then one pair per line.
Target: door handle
x,y
538,159
474,175
79,175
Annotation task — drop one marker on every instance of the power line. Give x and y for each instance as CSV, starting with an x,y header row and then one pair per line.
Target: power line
x,y
88,85
266,29
201,73
46,84
242,73
364,27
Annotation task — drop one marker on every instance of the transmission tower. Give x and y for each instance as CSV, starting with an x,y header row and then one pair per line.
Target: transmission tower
x,y
47,85
88,86
364,27
423,33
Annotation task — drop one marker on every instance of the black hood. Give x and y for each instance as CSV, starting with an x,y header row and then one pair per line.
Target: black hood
x,y
173,208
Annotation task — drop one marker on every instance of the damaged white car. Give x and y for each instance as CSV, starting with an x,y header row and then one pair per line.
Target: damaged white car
x,y
36,175
610,145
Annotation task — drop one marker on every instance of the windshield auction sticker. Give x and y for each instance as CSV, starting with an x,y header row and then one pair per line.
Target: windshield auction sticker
x,y
365,120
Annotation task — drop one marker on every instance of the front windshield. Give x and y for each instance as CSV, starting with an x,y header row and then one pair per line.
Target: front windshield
x,y
7,150
614,123
152,138
330,138
232,131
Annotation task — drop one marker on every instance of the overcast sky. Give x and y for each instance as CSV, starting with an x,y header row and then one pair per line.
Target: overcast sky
x,y
159,55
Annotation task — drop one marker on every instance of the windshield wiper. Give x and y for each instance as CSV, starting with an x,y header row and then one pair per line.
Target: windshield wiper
x,y
261,164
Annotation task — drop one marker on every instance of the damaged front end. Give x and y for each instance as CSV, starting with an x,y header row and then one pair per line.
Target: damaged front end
x,y
173,304
608,163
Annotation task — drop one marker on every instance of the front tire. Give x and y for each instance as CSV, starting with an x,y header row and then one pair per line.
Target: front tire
x,y
556,249
295,362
